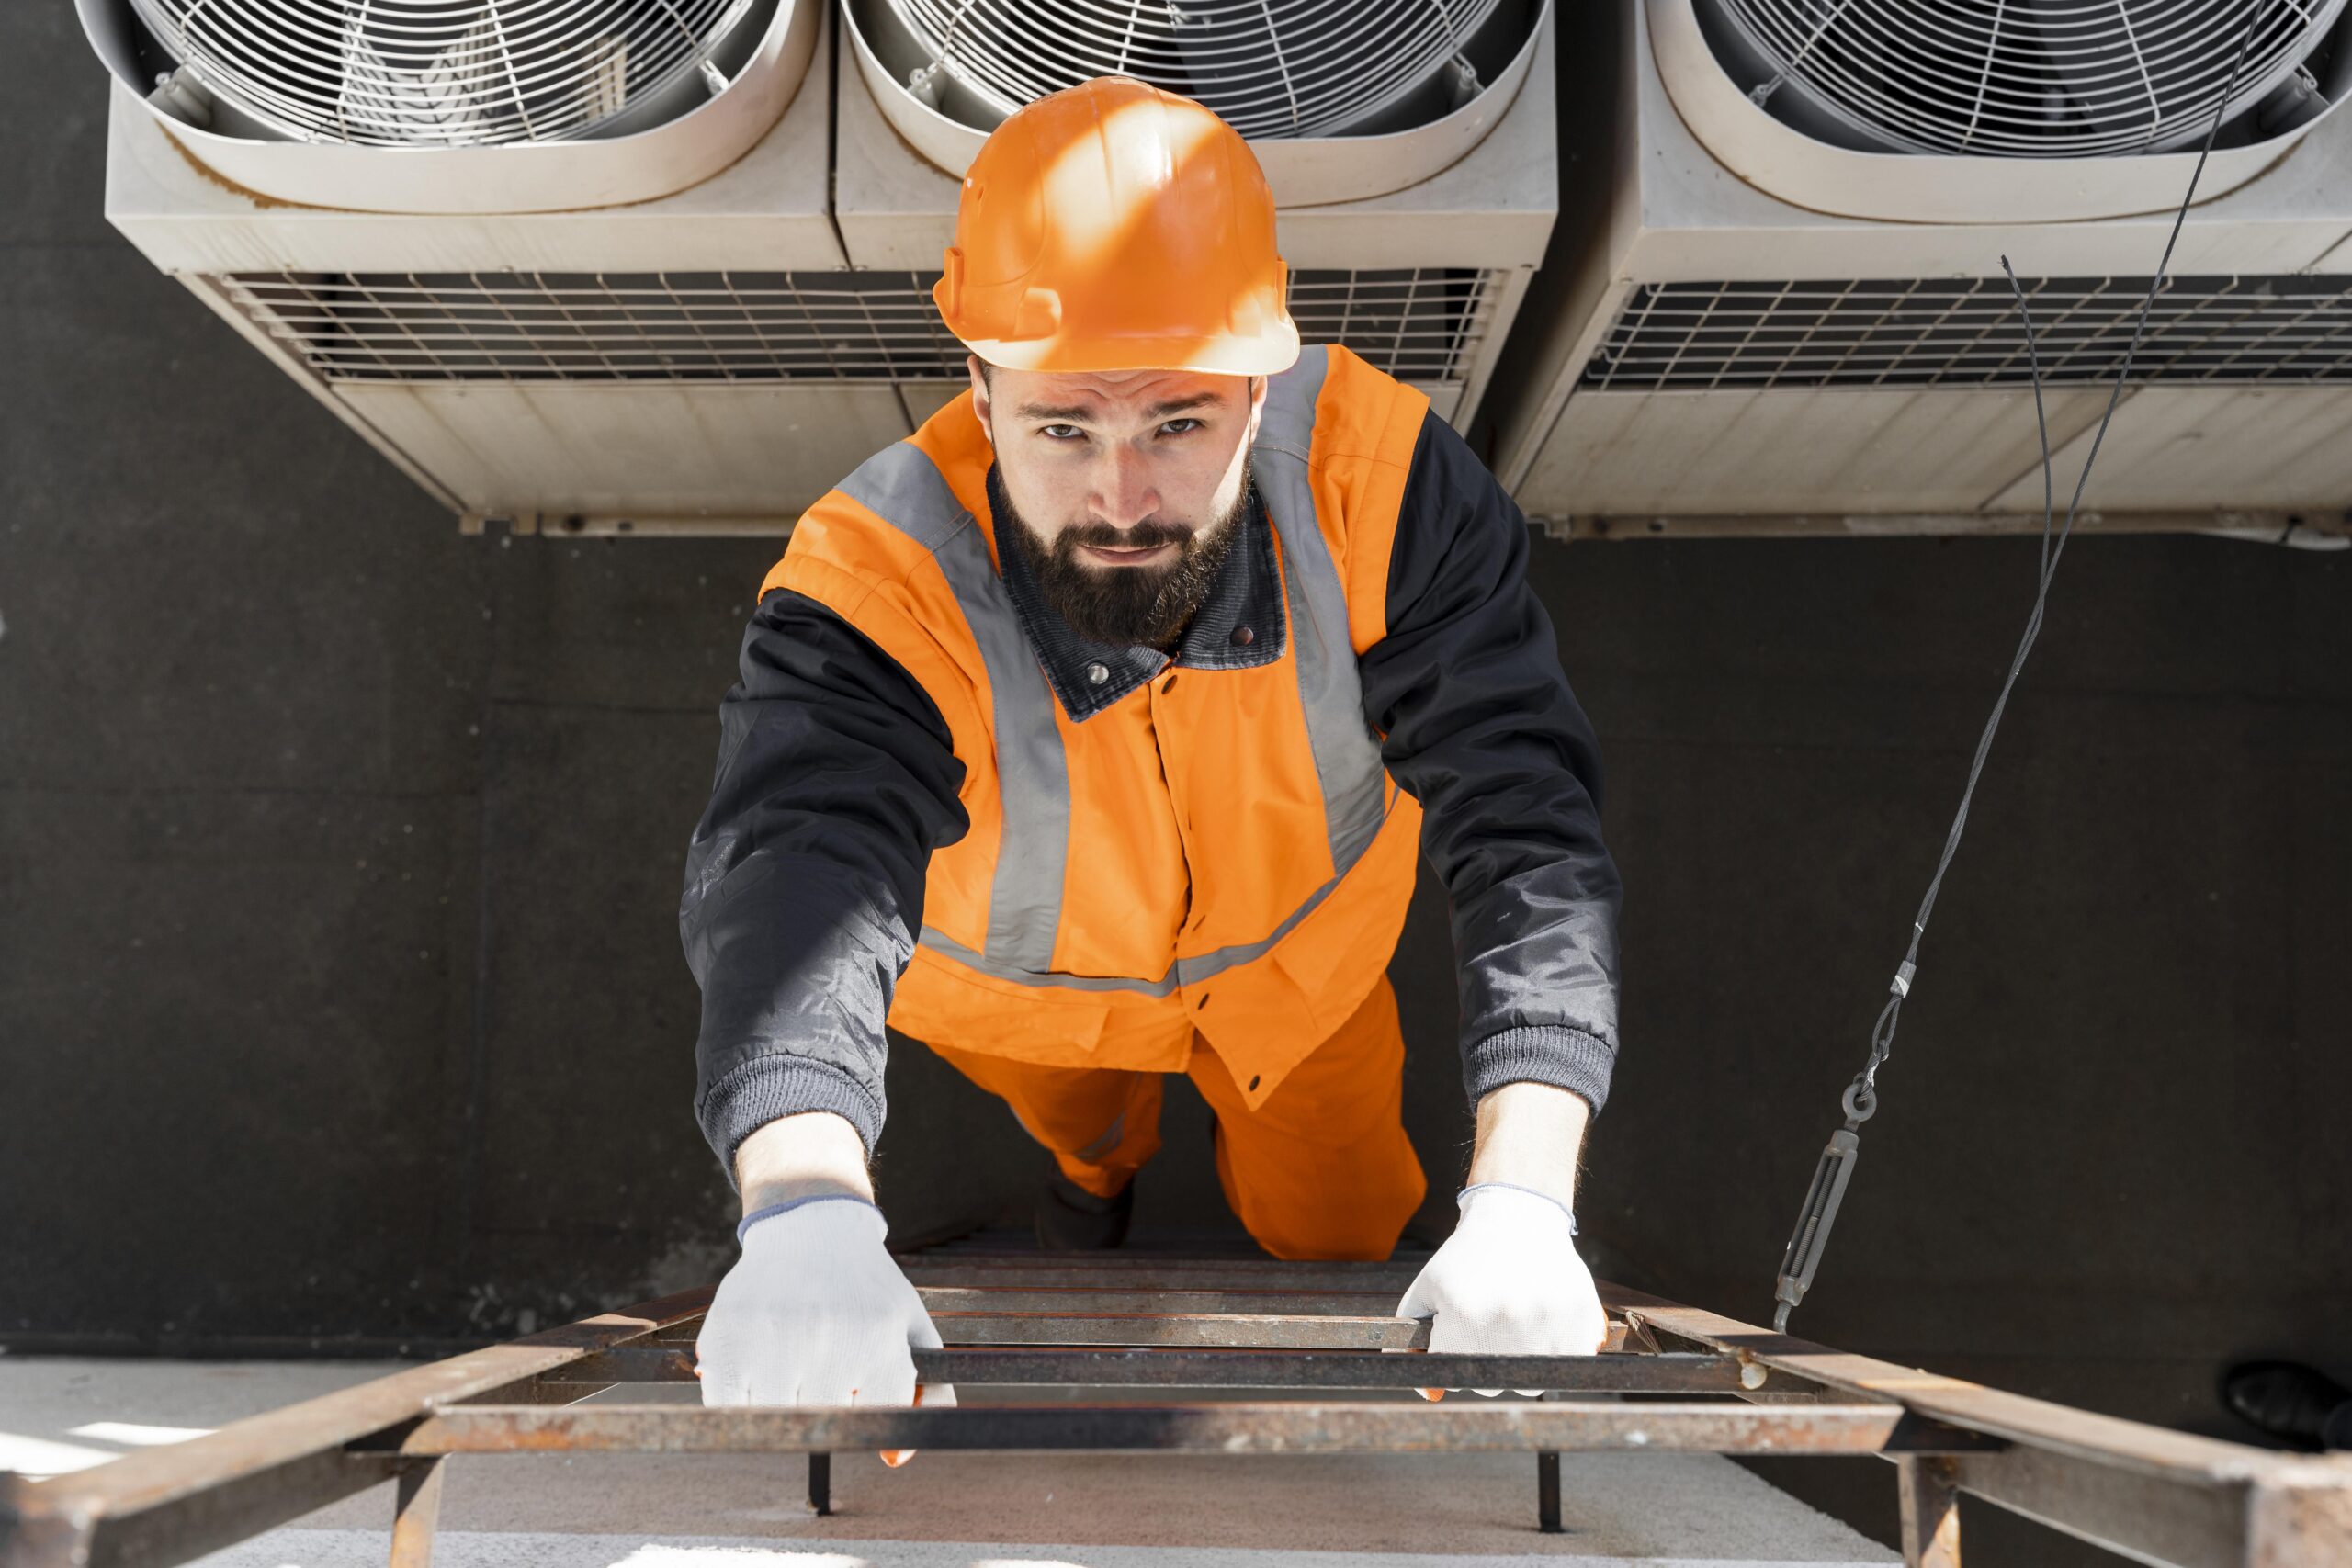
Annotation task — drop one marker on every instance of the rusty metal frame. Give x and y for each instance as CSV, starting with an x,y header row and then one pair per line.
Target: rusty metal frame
x,y
1673,1378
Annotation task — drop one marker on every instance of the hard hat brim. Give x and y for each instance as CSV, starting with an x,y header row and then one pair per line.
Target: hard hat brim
x,y
1267,354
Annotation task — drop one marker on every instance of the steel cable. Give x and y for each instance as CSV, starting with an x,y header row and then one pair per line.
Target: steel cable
x,y
1859,1101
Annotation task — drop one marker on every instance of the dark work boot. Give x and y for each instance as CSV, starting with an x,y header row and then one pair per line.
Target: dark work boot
x,y
2293,1403
1071,1219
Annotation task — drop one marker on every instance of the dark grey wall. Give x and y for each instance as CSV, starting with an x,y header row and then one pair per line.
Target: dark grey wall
x,y
340,996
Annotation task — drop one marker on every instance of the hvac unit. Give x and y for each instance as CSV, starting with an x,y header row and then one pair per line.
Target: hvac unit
x,y
1778,306
458,106
697,358
631,324
1410,148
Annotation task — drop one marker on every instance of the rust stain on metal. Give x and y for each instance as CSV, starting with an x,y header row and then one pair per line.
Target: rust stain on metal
x,y
214,176
1351,1427
2100,1478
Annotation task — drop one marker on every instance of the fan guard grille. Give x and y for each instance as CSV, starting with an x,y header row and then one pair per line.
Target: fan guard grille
x,y
1965,332
1425,324
2041,78
1269,68
439,72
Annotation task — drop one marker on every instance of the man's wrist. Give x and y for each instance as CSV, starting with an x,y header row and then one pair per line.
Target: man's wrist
x,y
1530,1136
813,1154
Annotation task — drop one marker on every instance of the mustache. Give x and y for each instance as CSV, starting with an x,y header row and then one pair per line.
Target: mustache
x,y
1149,533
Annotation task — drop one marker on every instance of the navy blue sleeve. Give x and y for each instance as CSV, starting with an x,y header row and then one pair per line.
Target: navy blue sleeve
x,y
1480,726
837,779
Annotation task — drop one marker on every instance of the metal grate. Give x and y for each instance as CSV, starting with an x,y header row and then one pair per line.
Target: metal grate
x,y
1420,325
1966,333
1266,67
440,72
2053,78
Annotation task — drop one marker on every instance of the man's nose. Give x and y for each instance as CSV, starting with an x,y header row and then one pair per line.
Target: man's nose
x,y
1126,494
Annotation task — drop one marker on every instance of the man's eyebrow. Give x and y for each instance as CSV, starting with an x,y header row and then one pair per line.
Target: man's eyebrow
x,y
1081,412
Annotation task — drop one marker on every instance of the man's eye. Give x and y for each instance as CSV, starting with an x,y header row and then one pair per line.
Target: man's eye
x,y
1180,427
1061,432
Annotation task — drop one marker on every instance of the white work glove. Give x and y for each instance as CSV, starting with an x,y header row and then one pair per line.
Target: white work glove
x,y
816,1312
1508,1283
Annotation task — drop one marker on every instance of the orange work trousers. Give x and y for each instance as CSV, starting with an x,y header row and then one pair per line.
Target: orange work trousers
x,y
1321,1170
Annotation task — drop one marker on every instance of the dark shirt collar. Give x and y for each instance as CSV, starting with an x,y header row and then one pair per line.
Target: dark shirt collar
x,y
1240,624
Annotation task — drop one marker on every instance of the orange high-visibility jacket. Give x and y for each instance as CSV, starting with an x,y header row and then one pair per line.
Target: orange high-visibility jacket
x,y
1218,849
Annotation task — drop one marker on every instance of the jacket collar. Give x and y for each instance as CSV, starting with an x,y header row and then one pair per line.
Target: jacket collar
x,y
1240,625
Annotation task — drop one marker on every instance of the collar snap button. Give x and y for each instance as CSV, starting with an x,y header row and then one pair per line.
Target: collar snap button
x,y
1244,636
1096,674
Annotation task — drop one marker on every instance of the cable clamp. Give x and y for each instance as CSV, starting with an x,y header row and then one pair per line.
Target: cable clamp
x,y
1902,986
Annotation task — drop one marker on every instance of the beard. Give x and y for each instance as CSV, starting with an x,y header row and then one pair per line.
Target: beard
x,y
1125,605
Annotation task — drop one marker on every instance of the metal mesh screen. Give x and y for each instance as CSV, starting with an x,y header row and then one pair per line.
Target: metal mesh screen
x,y
1966,333
2049,78
1422,324
1267,67
439,72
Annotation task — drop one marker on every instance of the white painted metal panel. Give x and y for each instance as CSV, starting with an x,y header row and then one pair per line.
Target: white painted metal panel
x,y
2177,448
1789,450
927,397
644,449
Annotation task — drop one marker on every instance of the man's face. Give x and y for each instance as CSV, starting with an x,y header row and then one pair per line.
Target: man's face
x,y
1124,488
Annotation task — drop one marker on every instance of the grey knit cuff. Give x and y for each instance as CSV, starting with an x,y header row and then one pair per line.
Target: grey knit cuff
x,y
768,1087
1544,1053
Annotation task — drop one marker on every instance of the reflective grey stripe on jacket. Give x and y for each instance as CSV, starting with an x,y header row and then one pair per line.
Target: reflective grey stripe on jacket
x,y
1356,793
904,487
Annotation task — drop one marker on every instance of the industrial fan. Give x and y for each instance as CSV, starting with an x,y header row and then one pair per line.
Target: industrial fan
x,y
2023,78
1267,67
460,106
1800,318
1346,98
442,73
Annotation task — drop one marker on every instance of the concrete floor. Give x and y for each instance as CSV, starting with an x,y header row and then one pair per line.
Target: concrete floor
x,y
946,1510
341,1004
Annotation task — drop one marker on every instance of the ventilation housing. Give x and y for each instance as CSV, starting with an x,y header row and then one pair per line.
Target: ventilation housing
x,y
716,359
1267,68
2055,79
458,106
1342,99
1779,303
703,361
1420,275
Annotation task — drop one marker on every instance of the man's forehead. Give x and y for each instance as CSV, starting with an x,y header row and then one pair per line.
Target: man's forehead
x,y
1109,393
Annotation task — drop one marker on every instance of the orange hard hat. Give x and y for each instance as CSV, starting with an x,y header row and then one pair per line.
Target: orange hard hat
x,y
1112,226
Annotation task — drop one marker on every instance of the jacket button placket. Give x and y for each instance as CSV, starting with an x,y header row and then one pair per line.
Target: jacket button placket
x,y
1177,775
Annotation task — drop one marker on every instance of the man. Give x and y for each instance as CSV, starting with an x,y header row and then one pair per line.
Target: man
x,y
1091,734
